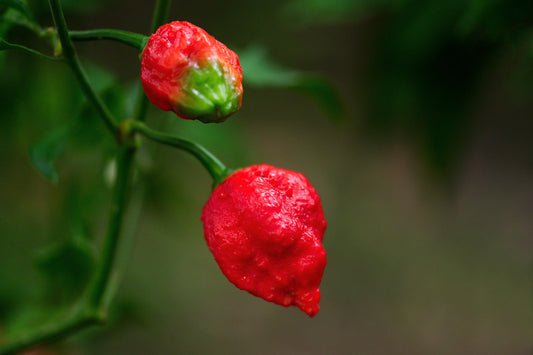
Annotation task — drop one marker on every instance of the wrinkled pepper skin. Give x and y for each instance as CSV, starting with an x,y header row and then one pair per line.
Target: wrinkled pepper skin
x,y
264,226
187,71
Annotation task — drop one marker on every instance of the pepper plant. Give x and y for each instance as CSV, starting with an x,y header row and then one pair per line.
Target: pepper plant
x,y
264,225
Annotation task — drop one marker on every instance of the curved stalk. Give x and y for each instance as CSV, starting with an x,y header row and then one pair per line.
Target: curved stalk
x,y
215,167
75,65
160,16
49,332
100,281
4,45
162,7
131,39
92,308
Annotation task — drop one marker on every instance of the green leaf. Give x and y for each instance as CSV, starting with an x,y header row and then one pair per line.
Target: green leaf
x,y
4,45
84,130
115,95
44,152
23,318
67,266
101,78
16,12
325,95
261,71
13,17
18,5
8,18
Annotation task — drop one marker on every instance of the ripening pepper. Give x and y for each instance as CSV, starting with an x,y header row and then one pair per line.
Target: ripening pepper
x,y
264,226
185,70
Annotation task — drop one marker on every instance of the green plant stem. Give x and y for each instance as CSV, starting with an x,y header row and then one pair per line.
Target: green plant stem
x,y
162,8
131,39
49,332
75,65
215,167
127,238
93,97
101,279
62,30
160,17
4,45
141,104
92,309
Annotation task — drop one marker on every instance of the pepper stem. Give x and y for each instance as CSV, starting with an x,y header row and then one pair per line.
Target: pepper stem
x,y
131,39
213,165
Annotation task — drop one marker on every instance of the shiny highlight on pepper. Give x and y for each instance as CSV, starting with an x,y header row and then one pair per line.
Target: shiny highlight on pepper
x,y
187,71
264,226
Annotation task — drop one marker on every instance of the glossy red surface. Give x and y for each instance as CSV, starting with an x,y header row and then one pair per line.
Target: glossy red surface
x,y
172,51
264,226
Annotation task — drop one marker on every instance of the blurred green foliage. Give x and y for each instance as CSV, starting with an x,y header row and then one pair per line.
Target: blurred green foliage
x,y
261,71
67,135
67,267
428,65
404,272
44,152
17,5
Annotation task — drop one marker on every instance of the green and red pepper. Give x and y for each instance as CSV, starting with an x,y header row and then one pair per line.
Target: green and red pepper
x,y
187,71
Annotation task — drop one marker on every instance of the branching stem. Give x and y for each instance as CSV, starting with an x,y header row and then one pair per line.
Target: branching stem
x,y
92,308
215,167
4,45
75,65
161,10
131,39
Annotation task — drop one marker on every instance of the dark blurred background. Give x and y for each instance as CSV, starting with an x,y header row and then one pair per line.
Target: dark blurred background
x,y
412,118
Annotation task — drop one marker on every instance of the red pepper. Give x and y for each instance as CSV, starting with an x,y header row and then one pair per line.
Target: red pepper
x,y
264,226
185,70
